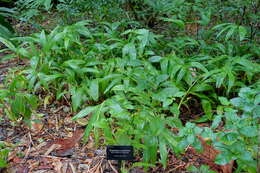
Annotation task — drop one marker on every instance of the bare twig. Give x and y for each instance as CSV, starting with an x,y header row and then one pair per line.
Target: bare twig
x,y
96,167
53,147
112,167
174,169
72,168
30,137
27,153
65,167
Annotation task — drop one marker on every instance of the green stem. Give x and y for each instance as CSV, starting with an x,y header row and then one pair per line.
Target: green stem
x,y
188,91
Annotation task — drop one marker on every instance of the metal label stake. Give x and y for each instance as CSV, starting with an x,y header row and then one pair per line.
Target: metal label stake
x,y
119,153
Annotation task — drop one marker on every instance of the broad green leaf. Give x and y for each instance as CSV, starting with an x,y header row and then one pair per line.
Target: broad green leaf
x,y
201,87
155,59
18,106
174,109
223,30
129,49
47,4
220,79
85,112
93,90
181,74
90,70
90,125
237,101
163,152
150,152
177,22
206,105
230,32
199,66
249,131
111,85
231,81
221,26
242,32
223,158
8,44
216,121
74,63
224,101
77,95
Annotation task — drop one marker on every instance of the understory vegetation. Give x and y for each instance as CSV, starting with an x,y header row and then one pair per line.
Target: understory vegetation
x,y
142,72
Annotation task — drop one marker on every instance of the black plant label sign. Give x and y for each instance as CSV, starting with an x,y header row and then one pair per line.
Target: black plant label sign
x,y
119,152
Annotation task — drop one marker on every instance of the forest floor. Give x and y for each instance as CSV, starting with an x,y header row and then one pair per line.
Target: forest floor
x,y
53,144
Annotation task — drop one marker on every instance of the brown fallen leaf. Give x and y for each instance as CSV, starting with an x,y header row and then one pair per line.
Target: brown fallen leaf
x,y
36,125
64,147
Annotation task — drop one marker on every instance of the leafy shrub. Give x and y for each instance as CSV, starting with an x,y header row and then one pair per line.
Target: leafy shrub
x,y
240,139
3,155
18,104
137,85
36,4
6,29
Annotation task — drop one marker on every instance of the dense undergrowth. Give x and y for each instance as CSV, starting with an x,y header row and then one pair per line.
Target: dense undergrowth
x,y
139,69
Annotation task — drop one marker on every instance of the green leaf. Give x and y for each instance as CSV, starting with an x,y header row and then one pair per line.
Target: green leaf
x,y
242,32
8,44
249,131
155,59
74,63
76,98
230,32
174,122
219,80
111,85
223,30
202,87
181,74
94,90
163,152
129,49
202,119
174,109
47,4
237,101
221,25
223,158
191,138
150,152
216,121
231,81
199,66
206,105
140,164
3,163
224,101
90,125
85,112
178,22
18,105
